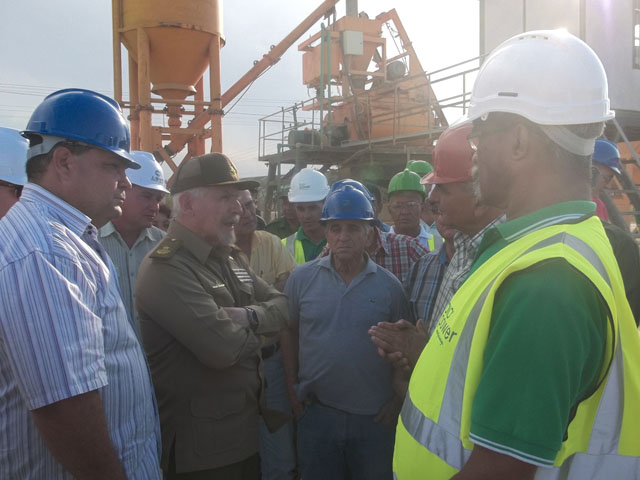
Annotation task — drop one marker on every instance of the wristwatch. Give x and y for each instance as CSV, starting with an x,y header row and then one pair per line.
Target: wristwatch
x,y
253,318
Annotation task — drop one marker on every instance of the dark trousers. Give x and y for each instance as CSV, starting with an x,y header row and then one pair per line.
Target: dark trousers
x,y
248,469
336,445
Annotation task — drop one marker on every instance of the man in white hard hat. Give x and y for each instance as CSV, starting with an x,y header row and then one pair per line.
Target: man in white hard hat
x,y
129,237
532,370
308,190
13,173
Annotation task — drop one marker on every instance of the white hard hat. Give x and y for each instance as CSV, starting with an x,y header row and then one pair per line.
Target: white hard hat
x,y
13,156
308,185
150,174
549,77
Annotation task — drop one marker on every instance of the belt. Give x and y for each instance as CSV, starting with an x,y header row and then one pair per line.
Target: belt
x,y
270,350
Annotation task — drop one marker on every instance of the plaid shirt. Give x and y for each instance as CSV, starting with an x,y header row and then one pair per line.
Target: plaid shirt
x,y
458,269
397,253
423,283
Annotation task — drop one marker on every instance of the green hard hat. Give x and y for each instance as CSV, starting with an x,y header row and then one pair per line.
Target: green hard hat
x,y
283,191
406,181
420,167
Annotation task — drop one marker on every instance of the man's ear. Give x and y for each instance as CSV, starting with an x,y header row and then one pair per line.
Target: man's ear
x,y
62,162
187,203
522,142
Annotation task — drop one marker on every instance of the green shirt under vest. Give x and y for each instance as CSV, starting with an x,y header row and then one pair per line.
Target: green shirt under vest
x,y
545,346
311,249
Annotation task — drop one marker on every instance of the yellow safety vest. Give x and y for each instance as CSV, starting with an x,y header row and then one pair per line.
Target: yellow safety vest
x,y
603,441
295,248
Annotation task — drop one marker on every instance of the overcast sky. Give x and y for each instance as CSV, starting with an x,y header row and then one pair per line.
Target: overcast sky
x,y
48,45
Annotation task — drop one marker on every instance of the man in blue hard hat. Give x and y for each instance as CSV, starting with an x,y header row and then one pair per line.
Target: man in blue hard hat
x,y
77,397
606,161
605,164
397,253
344,387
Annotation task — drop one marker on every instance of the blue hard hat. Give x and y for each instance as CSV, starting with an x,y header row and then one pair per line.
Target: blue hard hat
x,y
81,115
355,184
347,203
606,153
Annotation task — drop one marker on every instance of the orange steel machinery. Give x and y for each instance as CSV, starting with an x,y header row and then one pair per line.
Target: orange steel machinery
x,y
374,107
377,97
170,45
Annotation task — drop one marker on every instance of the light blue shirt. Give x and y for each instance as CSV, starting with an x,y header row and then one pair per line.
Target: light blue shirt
x,y
338,363
64,332
127,262
433,230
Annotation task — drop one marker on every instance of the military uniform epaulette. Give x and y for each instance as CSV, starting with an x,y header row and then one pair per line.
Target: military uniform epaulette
x,y
166,248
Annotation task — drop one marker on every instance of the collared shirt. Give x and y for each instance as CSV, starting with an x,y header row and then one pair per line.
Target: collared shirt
x,y
423,284
338,364
423,237
548,324
459,267
503,233
433,230
127,261
311,248
269,257
64,332
397,253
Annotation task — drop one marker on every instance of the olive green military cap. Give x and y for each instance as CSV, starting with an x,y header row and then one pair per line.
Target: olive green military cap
x,y
208,170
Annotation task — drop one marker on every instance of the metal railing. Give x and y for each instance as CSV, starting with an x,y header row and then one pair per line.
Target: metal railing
x,y
452,86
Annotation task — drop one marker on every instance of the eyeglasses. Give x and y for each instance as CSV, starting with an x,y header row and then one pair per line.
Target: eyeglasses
x,y
17,189
399,206
484,130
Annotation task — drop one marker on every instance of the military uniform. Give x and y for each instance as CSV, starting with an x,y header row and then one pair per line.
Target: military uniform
x,y
205,367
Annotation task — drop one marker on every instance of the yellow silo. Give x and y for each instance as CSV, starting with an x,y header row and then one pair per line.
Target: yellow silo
x,y
170,45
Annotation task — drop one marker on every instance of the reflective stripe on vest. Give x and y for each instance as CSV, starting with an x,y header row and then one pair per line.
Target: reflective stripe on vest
x,y
295,248
602,436
431,243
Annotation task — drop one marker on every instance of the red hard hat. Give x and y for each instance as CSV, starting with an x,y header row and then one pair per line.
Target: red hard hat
x,y
452,157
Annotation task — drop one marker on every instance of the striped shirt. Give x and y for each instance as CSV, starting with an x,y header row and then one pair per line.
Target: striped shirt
x,y
397,253
423,237
64,332
459,267
423,284
127,261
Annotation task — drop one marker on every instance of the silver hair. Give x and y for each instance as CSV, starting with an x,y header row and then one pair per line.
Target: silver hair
x,y
197,192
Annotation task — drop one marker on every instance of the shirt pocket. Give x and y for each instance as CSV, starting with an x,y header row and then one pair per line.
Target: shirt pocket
x,y
219,292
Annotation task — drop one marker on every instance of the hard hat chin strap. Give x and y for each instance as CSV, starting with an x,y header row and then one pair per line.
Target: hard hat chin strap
x,y
566,139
